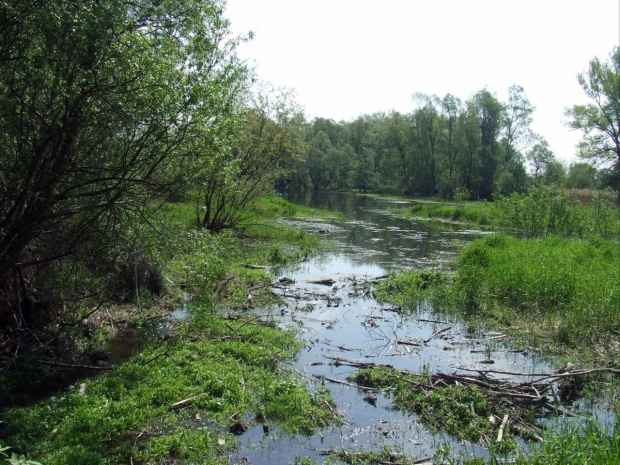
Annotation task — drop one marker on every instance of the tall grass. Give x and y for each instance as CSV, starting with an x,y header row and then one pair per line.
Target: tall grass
x,y
466,213
568,290
574,286
546,212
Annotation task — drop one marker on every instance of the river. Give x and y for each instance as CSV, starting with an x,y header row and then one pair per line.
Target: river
x,y
344,320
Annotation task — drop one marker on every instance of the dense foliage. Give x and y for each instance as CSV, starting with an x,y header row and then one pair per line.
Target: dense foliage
x,y
100,101
600,119
445,146
228,371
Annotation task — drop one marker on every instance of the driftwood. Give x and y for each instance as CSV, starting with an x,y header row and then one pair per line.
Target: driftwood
x,y
408,343
256,267
523,399
338,361
344,383
184,402
437,333
502,427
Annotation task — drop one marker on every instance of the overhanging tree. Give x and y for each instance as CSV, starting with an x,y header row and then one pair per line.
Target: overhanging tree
x,y
97,99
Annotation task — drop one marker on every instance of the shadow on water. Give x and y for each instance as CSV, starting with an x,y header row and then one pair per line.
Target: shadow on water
x,y
127,343
344,320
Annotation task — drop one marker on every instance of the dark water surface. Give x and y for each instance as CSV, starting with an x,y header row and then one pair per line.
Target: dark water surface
x,y
344,320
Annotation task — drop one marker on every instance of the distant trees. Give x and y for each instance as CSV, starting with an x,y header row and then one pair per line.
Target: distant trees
x,y
442,147
545,169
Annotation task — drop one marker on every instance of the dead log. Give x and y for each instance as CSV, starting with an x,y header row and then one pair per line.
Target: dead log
x,y
76,367
502,427
256,267
353,363
408,343
184,402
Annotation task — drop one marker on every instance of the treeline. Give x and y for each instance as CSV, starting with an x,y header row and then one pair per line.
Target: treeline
x,y
473,149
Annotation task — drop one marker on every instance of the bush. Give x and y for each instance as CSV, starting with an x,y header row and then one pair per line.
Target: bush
x,y
546,212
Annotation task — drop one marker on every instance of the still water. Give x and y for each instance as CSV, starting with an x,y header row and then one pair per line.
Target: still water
x,y
343,319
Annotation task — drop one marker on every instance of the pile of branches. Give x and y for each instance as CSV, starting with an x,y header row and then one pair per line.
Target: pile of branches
x,y
497,406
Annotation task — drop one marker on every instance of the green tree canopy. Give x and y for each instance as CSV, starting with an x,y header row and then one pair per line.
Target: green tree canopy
x,y
98,99
600,119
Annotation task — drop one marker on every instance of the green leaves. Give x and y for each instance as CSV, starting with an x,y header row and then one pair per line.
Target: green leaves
x,y
600,120
101,104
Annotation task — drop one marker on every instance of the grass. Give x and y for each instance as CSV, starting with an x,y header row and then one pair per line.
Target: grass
x,y
277,207
558,293
549,212
461,411
586,443
230,369
477,213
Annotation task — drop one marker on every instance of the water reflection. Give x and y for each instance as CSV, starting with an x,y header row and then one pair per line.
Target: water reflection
x,y
344,320
371,236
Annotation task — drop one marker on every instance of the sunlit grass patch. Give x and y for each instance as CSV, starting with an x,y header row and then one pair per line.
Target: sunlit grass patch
x,y
562,291
478,213
276,207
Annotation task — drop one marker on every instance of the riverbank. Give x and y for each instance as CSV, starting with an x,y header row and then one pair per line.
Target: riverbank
x,y
202,377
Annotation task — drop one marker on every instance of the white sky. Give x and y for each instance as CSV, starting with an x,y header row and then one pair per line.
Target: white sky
x,y
345,58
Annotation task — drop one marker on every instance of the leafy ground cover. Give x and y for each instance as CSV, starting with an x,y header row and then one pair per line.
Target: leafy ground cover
x,y
182,398
555,285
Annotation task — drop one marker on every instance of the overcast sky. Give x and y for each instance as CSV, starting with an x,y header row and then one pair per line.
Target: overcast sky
x,y
345,58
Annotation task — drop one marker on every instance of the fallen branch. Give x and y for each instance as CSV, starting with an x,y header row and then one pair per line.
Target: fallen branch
x,y
324,282
338,361
184,402
437,333
256,267
76,367
344,383
500,432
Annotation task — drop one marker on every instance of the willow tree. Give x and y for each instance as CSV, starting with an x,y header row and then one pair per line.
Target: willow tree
x,y
98,98
249,164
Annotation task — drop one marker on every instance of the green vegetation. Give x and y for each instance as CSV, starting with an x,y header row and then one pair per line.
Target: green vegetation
x,y
229,371
478,213
551,212
600,119
577,444
461,411
137,158
561,293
